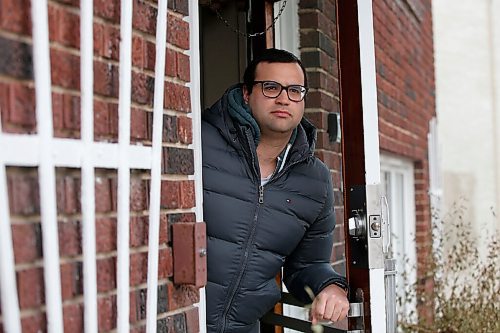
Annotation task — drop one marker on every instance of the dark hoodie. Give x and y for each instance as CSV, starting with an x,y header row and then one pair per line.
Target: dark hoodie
x,y
254,230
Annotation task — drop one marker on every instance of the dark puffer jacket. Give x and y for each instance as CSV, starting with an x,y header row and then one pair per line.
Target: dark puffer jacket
x,y
254,230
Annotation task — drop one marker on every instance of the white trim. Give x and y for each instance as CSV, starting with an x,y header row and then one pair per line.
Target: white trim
x,y
154,207
123,233
88,173
377,300
194,62
25,150
404,229
369,91
8,284
41,62
494,27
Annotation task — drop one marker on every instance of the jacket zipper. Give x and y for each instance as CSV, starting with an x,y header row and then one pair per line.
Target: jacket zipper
x,y
245,259
252,234
248,244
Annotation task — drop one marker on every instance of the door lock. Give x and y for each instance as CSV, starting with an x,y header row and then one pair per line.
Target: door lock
x,y
357,225
375,226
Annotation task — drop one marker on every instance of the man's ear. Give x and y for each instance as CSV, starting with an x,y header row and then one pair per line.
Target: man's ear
x,y
246,94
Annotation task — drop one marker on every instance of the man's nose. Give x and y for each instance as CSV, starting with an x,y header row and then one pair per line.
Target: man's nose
x,y
283,97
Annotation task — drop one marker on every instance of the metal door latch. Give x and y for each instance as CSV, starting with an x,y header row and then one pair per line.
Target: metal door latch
x,y
357,225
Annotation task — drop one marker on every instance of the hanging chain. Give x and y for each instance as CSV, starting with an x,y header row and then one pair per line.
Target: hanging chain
x,y
244,34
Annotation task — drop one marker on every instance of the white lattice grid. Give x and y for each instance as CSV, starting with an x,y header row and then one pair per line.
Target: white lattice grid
x,y
46,152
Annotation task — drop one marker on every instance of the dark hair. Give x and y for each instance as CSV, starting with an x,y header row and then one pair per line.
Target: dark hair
x,y
271,56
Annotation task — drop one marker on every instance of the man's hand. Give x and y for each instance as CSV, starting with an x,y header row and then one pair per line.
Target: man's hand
x,y
331,304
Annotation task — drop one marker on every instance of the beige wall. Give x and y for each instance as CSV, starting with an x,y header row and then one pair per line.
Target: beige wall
x,y
467,59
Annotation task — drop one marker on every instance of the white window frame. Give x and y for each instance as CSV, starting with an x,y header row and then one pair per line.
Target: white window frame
x,y
405,262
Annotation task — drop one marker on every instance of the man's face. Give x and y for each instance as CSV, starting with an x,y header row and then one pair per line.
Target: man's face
x,y
280,114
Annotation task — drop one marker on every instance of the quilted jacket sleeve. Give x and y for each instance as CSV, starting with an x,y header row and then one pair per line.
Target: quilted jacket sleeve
x,y
309,264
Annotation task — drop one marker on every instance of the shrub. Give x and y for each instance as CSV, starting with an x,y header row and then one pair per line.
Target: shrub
x,y
465,291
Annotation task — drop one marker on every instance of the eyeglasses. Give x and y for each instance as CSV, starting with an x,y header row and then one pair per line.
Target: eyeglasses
x,y
272,89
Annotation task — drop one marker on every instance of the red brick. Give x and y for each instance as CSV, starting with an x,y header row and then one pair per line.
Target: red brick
x,y
171,60
106,79
70,238
4,105
30,285
192,320
58,115
53,17
178,161
139,194
170,194
65,69
142,88
144,17
105,121
27,242
170,129
187,194
185,129
103,198
68,25
16,58
106,274
318,118
106,313
101,119
149,55
177,97
74,3
23,192
140,329
111,42
138,304
178,32
138,51
164,229
183,69
138,268
35,323
21,110
72,116
107,9
165,263
73,318
15,16
68,191
71,280
98,35
105,234
140,126
139,228
179,6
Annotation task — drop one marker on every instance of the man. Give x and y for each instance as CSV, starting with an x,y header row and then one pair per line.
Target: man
x,y
268,202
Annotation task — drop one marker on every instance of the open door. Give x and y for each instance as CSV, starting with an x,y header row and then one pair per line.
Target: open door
x,y
367,235
231,34
229,23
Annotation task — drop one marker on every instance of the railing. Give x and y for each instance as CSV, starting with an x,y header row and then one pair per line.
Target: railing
x,y
274,319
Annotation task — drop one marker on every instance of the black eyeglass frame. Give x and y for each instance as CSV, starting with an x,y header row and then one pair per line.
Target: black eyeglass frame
x,y
302,89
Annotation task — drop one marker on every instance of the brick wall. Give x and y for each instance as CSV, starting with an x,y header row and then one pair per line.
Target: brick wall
x,y
318,49
406,93
17,106
405,81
